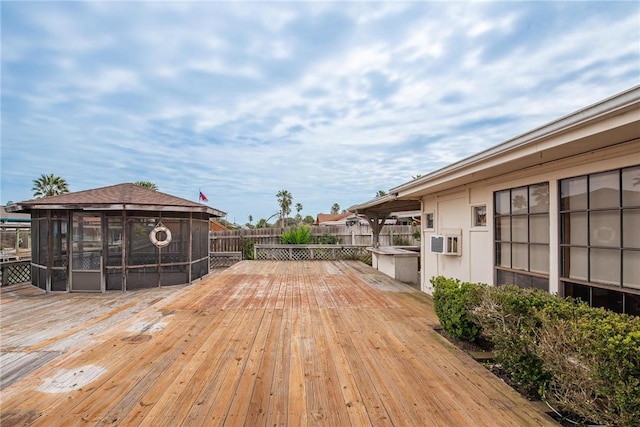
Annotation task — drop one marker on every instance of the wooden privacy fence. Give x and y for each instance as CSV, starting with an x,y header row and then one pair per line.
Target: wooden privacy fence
x,y
357,235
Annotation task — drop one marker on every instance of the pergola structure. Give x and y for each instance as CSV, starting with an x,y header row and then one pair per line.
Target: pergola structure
x,y
379,209
119,237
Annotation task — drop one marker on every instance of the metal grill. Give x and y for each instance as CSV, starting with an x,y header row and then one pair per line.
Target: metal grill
x,y
15,272
312,252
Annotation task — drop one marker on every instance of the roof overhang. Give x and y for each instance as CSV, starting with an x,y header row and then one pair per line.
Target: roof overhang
x,y
612,122
385,205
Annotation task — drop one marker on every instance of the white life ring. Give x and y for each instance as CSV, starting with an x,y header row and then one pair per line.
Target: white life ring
x,y
153,236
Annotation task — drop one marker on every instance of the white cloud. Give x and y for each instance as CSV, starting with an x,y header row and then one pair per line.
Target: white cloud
x,y
332,101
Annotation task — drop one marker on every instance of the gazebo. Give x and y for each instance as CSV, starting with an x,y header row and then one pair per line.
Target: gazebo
x,y
120,237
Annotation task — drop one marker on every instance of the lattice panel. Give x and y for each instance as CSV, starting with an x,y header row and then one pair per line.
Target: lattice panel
x,y
15,273
219,260
303,253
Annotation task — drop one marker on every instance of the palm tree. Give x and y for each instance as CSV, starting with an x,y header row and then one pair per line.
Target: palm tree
x,y
298,210
335,208
284,200
49,185
147,184
380,193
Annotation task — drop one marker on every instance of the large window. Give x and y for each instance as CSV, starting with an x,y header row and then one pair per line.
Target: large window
x,y
522,236
599,238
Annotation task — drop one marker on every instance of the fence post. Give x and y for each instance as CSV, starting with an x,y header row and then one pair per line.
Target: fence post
x,y
5,275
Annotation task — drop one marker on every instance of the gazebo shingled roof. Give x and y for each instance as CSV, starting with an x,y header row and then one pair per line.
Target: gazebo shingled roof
x,y
125,196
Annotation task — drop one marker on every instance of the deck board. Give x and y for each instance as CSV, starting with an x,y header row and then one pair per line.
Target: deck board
x,y
262,343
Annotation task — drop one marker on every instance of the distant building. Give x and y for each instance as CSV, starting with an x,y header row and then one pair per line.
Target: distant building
x,y
14,218
119,237
556,208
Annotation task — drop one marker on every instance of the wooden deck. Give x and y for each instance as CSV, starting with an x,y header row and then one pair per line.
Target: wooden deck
x,y
263,343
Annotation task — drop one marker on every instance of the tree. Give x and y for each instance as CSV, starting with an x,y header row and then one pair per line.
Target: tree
x,y
147,184
308,220
262,223
298,210
335,208
250,219
380,193
49,185
284,200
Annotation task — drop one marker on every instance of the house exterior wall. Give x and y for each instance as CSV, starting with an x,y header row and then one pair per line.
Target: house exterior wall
x,y
453,211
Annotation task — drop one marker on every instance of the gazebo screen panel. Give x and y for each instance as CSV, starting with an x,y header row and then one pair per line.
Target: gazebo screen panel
x,y
174,275
142,277
199,247
178,250
59,279
60,224
115,237
35,236
43,241
196,237
140,250
42,280
114,279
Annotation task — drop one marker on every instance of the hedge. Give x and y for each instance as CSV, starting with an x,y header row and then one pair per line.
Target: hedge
x,y
583,361
454,302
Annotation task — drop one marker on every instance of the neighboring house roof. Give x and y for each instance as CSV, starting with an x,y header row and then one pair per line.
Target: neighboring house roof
x,y
13,217
332,219
126,196
216,226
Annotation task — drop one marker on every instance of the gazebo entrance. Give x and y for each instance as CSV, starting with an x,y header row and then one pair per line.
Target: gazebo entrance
x,y
86,253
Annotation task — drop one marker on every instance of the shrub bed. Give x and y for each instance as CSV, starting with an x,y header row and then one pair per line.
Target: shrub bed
x,y
583,361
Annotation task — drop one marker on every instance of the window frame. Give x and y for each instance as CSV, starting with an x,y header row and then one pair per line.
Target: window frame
x,y
590,244
522,276
474,216
426,221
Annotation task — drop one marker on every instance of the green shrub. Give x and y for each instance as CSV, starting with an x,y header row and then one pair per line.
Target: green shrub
x,y
247,249
593,357
509,316
326,239
584,361
454,302
400,241
296,236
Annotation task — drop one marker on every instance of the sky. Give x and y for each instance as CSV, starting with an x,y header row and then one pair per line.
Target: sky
x,y
331,101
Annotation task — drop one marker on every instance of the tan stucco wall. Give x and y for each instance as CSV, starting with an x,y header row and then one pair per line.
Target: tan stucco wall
x,y
453,210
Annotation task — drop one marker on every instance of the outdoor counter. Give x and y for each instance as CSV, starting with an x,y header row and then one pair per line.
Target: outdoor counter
x,y
398,263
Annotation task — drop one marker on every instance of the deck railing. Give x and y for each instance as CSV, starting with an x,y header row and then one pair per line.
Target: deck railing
x,y
224,259
357,235
312,252
13,272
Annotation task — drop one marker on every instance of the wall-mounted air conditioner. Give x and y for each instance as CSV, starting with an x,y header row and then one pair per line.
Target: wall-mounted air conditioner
x,y
446,244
